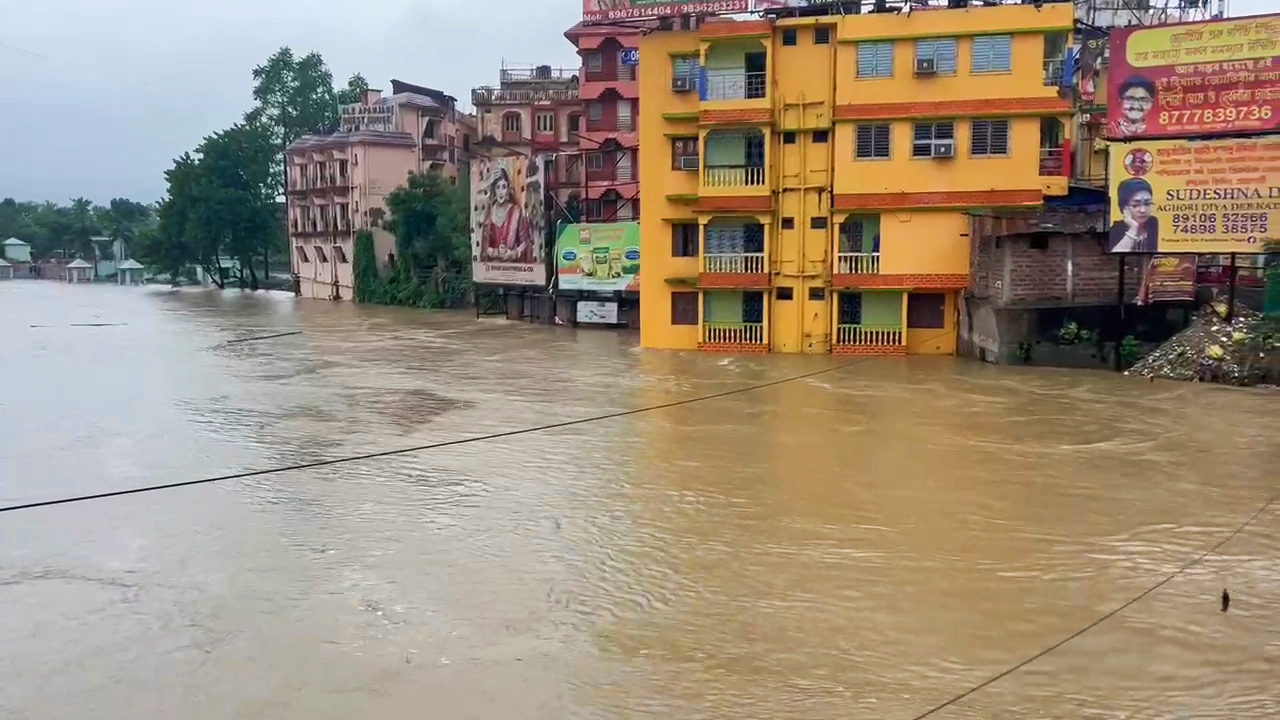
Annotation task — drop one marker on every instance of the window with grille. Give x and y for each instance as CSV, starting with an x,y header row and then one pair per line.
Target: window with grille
x,y
875,59
872,142
989,138
511,122
684,240
684,66
789,37
546,122
595,161
926,133
684,308
684,153
992,54
595,111
926,311
819,136
941,50
822,36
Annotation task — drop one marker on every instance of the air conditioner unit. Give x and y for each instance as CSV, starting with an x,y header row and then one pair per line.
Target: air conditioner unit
x,y
944,148
926,66
683,83
689,162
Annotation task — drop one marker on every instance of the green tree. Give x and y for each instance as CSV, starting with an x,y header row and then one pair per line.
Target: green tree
x,y
82,227
354,92
123,220
429,219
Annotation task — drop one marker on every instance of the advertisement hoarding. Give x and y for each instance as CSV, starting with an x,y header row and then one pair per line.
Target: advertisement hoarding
x,y
1169,278
1093,47
1211,78
1182,196
597,312
599,257
603,10
508,221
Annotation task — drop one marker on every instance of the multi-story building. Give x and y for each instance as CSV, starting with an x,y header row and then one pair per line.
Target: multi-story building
x,y
809,174
337,183
610,93
533,110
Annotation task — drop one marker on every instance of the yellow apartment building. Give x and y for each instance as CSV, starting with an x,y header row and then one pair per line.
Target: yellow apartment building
x,y
806,181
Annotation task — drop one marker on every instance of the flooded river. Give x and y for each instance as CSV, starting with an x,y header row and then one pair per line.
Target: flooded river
x,y
864,543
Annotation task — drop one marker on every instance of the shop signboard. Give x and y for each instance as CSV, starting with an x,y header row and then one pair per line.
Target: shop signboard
x,y
599,257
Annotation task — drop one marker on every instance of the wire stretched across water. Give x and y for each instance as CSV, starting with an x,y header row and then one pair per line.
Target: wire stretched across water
x,y
421,448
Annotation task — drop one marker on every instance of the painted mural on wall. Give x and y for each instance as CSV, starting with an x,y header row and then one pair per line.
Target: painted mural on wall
x,y
508,222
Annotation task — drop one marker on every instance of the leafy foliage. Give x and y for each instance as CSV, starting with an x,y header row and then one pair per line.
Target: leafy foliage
x,y
54,229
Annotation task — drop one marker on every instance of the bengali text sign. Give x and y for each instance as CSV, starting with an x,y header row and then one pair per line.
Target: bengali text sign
x,y
1178,196
1211,78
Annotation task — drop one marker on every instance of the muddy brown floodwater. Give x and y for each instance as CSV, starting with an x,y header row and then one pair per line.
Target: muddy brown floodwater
x,y
865,543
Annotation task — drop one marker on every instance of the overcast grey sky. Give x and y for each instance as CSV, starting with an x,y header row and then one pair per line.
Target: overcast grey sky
x,y
124,86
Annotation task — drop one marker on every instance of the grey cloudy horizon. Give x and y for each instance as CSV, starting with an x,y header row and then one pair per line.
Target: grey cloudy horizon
x,y
100,97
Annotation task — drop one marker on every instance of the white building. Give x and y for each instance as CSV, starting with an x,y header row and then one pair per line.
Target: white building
x,y
79,271
129,272
6,270
15,250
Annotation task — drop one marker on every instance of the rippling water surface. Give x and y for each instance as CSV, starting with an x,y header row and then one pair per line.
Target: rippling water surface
x,y
864,543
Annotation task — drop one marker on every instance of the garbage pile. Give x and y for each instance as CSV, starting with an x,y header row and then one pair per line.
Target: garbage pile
x,y
1243,351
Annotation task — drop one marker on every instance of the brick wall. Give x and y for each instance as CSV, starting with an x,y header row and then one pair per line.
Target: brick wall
x,y
1062,270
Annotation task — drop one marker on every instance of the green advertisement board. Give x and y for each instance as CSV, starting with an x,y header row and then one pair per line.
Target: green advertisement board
x,y
599,257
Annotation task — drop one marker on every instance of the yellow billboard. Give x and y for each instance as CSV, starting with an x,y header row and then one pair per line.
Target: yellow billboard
x,y
1182,196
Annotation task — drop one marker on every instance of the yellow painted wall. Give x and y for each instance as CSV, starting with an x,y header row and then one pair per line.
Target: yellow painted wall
x,y
1027,24
935,341
657,181
928,241
903,173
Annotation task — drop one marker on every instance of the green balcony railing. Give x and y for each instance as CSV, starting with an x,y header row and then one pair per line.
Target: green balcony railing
x,y
865,335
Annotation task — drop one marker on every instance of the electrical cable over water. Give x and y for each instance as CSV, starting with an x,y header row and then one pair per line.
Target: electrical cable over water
x,y
420,448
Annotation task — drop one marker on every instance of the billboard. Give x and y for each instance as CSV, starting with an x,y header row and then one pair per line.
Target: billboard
x,y
1180,196
1169,278
1211,78
508,222
1093,47
599,257
598,10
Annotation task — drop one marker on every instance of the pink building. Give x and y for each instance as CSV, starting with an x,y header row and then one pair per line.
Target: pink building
x,y
610,97
338,183
533,110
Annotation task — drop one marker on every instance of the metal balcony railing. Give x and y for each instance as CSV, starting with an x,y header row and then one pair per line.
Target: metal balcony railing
x,y
1053,162
536,74
733,333
864,335
734,176
735,85
858,263
749,263
1054,70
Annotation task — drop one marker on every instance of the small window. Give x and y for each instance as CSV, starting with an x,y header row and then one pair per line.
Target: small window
x,y
302,254
788,223
789,37
822,36
788,138
595,111
875,59
339,254
684,240
785,293
575,125
320,254
684,153
818,223
595,161
926,133
992,54
684,308
546,122
941,50
872,142
819,136
595,62
817,293
989,138
511,122
1038,241
927,311
684,66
